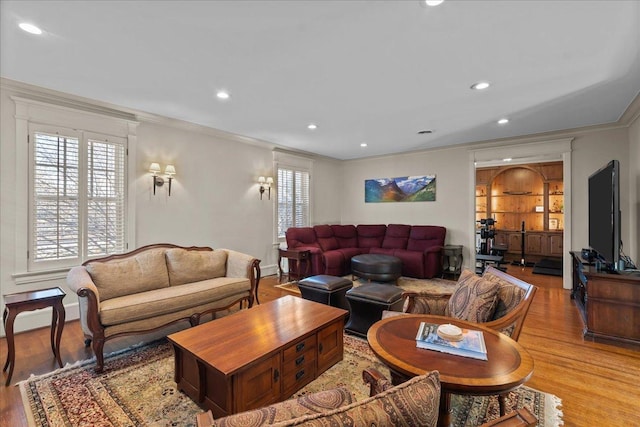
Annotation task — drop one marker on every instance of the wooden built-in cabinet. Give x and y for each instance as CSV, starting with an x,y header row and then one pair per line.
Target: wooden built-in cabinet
x,y
533,194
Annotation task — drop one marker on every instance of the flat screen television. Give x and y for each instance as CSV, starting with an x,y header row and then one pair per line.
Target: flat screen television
x,y
604,214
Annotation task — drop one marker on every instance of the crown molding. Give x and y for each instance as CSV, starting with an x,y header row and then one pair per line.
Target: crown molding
x,y
632,112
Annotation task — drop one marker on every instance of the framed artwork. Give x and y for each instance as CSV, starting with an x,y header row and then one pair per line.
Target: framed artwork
x,y
553,223
401,189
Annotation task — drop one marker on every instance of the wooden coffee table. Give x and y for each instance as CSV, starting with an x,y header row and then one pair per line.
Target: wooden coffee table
x,y
258,356
509,365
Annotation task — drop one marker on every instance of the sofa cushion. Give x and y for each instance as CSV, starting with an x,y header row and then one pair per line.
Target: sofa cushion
x,y
325,237
346,235
301,236
413,403
474,298
289,409
371,236
193,266
423,237
396,236
141,272
145,305
509,295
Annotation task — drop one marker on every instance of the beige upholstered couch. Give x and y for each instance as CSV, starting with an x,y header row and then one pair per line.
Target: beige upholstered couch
x,y
157,285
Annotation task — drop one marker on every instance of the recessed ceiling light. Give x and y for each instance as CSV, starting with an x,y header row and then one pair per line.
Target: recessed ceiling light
x,y
312,126
433,2
364,144
422,132
223,94
503,121
480,86
30,28
508,159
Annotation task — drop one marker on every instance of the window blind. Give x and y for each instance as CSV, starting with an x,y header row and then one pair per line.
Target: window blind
x,y
293,199
105,198
55,231
78,198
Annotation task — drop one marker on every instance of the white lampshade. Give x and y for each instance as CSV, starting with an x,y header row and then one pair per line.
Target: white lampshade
x,y
269,180
261,180
154,168
170,170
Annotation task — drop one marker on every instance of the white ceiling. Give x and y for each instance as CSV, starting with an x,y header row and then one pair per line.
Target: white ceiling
x,y
364,71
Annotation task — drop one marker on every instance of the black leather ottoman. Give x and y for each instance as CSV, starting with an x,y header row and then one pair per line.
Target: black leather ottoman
x,y
378,267
367,303
329,290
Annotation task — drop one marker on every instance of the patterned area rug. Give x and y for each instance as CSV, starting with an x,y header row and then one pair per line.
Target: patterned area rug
x,y
137,389
435,285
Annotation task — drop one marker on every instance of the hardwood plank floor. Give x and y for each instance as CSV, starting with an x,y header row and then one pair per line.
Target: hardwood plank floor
x,y
598,383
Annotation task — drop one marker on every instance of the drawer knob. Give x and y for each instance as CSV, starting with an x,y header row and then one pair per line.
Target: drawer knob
x,y
300,346
276,375
299,360
300,374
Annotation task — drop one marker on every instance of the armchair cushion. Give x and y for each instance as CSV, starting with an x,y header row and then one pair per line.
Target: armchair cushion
x,y
194,266
290,409
413,403
144,272
474,299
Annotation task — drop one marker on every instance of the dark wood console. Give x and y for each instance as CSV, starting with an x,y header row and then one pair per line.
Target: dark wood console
x,y
609,302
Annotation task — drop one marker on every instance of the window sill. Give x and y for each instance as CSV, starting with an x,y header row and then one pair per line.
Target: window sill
x,y
40,276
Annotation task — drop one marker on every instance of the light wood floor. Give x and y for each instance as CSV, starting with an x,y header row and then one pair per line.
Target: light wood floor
x,y
598,383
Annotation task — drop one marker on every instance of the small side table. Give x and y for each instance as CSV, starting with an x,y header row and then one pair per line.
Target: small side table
x,y
452,261
301,256
29,301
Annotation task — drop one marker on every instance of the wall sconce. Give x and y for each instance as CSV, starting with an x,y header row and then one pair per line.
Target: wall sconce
x,y
265,183
158,181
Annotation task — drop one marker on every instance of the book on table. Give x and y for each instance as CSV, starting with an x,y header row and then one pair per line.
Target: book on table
x,y
471,345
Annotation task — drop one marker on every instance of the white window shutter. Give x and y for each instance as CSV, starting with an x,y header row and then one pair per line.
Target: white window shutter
x,y
55,198
105,198
293,199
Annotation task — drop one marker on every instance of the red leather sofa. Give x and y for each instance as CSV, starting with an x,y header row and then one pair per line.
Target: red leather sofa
x,y
332,246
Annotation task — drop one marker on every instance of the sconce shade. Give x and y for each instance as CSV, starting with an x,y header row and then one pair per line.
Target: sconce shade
x,y
170,170
265,184
154,168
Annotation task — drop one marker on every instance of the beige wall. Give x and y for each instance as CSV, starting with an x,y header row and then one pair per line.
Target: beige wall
x,y
452,206
215,199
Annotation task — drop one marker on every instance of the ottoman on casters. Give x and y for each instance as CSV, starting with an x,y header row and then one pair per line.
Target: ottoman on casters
x,y
367,303
329,290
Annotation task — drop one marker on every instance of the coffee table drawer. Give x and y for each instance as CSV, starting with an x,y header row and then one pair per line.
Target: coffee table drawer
x,y
299,347
299,372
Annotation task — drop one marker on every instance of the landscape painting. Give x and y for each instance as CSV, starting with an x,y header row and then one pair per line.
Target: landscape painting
x,y
401,189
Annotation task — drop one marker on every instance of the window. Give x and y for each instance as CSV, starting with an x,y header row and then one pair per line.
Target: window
x,y
77,196
293,199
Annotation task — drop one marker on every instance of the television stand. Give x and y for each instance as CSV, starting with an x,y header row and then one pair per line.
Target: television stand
x,y
608,302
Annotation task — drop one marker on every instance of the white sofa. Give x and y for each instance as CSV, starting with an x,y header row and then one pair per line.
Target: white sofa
x,y
157,285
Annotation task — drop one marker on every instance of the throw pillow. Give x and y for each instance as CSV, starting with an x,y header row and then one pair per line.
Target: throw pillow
x,y
474,298
509,295
193,266
141,272
412,403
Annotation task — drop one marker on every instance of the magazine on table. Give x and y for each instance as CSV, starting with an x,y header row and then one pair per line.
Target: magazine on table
x,y
471,345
